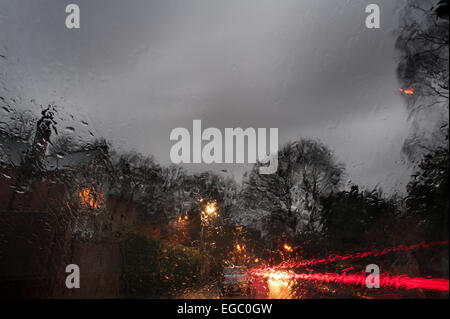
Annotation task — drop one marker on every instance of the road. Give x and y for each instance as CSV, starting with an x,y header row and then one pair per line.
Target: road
x,y
260,290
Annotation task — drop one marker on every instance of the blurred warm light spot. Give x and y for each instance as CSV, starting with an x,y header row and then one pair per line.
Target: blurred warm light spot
x,y
280,284
210,208
90,197
408,91
209,212
240,248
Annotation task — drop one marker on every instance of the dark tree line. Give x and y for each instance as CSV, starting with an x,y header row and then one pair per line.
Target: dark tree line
x,y
423,43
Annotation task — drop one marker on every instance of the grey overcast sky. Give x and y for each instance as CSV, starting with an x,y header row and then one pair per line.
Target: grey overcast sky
x,y
137,69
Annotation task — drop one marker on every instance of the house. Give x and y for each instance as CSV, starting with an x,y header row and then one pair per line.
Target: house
x,y
53,212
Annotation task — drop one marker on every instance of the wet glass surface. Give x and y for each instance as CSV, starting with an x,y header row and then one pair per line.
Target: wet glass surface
x,y
91,174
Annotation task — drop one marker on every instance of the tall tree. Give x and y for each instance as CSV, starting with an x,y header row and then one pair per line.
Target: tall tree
x,y
423,42
289,200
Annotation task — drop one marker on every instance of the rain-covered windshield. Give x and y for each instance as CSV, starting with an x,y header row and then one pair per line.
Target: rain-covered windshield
x,y
148,148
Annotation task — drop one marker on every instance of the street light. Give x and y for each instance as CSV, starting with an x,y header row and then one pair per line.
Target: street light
x,y
206,216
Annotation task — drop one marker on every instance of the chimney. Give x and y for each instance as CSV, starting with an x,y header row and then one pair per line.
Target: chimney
x,y
42,137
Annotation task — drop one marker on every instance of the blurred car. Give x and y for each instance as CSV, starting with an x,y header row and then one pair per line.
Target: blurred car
x,y
236,280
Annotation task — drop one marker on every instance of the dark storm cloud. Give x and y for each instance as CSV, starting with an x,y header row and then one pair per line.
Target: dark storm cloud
x,y
138,69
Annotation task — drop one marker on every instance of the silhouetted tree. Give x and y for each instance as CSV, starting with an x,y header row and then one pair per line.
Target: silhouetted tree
x,y
428,194
349,217
289,200
424,66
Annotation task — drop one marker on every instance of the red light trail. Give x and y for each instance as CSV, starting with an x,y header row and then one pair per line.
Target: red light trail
x,y
359,255
386,280
278,272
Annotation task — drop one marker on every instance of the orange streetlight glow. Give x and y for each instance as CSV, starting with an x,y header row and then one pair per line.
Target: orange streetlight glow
x,y
408,91
209,212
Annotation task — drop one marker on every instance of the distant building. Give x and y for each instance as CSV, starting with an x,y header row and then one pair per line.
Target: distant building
x,y
50,208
